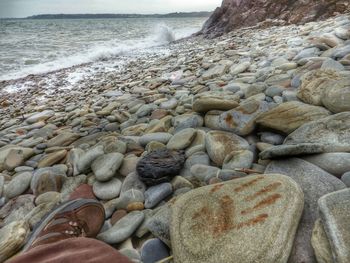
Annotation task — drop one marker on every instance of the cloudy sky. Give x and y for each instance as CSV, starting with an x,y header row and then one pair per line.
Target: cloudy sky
x,y
23,8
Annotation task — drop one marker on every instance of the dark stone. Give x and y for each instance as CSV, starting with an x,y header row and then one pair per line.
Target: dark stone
x,y
160,166
154,250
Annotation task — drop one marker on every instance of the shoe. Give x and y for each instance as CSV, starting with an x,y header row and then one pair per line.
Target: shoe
x,y
75,218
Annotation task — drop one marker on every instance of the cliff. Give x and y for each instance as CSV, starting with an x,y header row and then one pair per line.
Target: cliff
x,y
242,13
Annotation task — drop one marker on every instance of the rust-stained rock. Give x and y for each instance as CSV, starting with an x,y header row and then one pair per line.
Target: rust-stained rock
x,y
289,116
253,219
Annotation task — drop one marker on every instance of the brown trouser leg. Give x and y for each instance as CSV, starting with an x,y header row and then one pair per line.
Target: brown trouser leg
x,y
72,250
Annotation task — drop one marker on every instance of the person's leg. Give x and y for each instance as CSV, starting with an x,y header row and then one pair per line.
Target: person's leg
x,y
72,250
65,235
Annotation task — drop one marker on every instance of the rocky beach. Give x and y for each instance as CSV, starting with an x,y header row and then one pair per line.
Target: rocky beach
x,y
227,149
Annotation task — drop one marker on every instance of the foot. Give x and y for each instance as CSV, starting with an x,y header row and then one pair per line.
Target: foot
x,y
76,218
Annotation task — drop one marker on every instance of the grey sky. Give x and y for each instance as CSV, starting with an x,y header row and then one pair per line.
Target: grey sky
x,y
23,8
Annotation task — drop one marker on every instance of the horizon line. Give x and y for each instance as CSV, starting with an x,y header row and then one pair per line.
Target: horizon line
x,y
143,14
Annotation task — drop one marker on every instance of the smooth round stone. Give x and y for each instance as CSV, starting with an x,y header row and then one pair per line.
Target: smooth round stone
x,y
117,215
157,193
346,179
219,144
145,110
152,146
160,166
123,229
143,229
48,197
180,182
153,250
204,172
40,116
162,137
52,158
182,139
12,238
128,197
107,190
132,181
160,222
23,169
128,165
238,159
187,121
106,166
273,91
112,127
116,146
332,65
48,179
170,104
272,138
337,98
196,158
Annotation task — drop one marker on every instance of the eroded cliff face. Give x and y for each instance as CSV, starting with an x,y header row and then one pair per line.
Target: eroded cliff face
x,y
242,13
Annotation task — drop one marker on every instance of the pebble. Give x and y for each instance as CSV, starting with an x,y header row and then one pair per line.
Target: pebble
x,y
132,181
161,137
106,166
128,197
182,139
122,229
18,184
335,216
154,250
157,193
176,124
346,178
107,190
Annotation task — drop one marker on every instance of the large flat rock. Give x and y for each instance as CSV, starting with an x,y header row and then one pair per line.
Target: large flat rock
x,y
330,134
315,183
289,116
253,219
335,216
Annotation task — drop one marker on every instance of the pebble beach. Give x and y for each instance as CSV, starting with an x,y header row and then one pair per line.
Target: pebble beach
x,y
232,149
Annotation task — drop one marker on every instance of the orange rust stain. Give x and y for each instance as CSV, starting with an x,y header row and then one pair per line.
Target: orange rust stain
x,y
248,184
264,203
251,222
229,120
224,217
265,190
218,222
216,188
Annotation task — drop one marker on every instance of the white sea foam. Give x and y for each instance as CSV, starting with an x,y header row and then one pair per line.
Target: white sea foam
x,y
105,51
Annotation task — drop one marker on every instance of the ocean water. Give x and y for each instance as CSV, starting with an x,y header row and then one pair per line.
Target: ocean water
x,y
41,46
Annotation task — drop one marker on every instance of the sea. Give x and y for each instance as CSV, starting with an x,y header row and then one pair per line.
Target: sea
x,y
38,46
